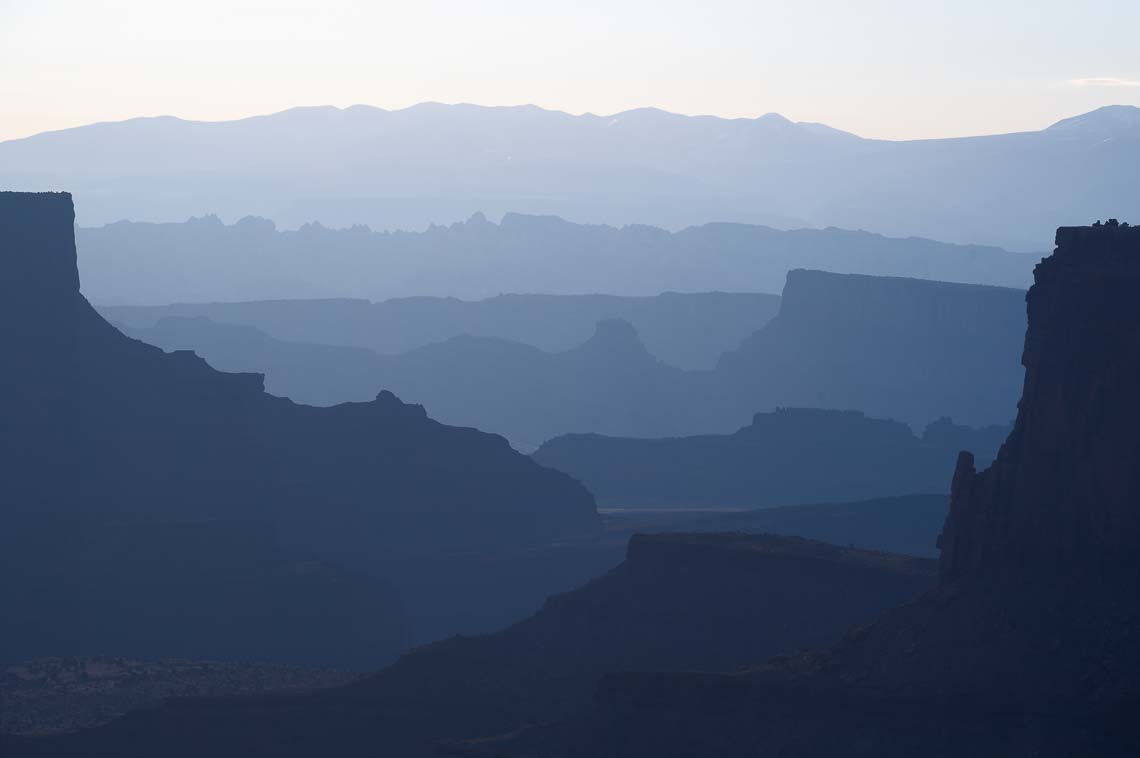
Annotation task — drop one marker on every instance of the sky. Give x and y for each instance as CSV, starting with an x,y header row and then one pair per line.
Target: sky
x,y
880,68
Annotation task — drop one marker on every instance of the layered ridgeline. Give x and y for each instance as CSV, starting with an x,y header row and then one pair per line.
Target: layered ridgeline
x,y
153,505
610,383
204,260
692,602
902,349
1030,644
140,431
439,163
689,331
787,457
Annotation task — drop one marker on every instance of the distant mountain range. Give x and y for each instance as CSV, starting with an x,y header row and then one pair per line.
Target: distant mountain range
x,y
204,260
442,163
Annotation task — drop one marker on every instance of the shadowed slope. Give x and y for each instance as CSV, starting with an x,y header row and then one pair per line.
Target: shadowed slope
x,y
697,602
141,431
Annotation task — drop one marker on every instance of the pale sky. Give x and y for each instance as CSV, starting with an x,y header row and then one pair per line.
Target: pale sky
x,y
880,68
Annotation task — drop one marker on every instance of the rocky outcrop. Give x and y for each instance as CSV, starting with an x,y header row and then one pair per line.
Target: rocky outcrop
x,y
1065,487
905,349
1030,645
99,423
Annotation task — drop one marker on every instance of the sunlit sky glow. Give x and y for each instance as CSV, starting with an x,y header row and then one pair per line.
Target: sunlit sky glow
x,y
879,68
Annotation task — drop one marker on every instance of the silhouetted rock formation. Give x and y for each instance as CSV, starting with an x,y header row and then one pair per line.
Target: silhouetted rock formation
x,y
790,456
1030,645
893,348
688,331
204,260
213,590
153,506
144,432
307,373
610,383
693,602
1065,489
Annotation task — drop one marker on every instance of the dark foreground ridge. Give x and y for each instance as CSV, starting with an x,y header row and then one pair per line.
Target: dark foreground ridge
x,y
140,430
1030,645
138,484
712,602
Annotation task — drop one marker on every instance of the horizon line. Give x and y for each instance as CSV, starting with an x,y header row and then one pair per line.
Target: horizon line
x,y
771,115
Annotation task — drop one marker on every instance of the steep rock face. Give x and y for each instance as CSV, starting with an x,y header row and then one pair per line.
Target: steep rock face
x,y
99,423
905,349
1030,645
1065,487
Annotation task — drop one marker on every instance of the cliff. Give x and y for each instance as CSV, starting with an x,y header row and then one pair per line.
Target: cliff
x,y
906,349
1030,644
101,424
1065,487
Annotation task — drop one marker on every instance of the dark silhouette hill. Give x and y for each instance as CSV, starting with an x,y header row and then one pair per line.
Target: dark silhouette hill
x,y
895,348
609,383
1028,645
206,590
305,372
440,163
204,260
156,507
787,457
696,602
140,431
688,331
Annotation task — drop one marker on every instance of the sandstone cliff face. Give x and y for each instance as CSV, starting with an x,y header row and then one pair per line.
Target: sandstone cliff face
x,y
1065,488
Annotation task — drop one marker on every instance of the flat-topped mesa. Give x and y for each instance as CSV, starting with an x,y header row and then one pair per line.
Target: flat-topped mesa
x,y
1064,492
38,236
